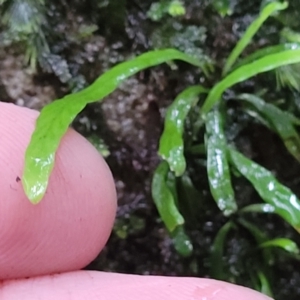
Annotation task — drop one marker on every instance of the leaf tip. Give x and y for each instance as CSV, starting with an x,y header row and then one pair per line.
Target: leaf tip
x,y
34,191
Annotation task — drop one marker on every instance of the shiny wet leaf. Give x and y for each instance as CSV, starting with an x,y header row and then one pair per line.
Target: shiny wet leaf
x,y
56,117
266,51
286,203
285,75
261,65
164,199
171,144
182,242
265,13
217,164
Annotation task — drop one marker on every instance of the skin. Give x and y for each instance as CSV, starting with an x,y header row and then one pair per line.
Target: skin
x,y
43,246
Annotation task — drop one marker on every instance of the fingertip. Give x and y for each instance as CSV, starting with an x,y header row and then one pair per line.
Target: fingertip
x,y
70,226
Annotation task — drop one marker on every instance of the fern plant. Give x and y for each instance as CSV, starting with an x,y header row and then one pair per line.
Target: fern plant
x,y
208,139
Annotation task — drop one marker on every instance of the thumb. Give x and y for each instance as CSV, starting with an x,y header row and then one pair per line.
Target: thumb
x,y
91,285
69,227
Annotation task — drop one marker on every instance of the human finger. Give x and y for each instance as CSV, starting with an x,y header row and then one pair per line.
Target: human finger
x,y
70,226
82,285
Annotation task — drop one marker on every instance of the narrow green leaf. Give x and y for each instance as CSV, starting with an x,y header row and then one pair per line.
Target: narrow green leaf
x,y
182,242
265,286
286,244
260,237
286,203
266,51
217,164
263,208
279,120
171,144
216,257
264,64
192,205
164,199
256,115
266,12
172,185
56,117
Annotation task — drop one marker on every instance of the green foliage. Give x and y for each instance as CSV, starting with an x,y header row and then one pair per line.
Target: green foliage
x,y
171,142
285,203
289,76
165,197
159,9
267,11
56,117
264,64
182,242
264,284
217,164
286,244
223,7
124,227
171,178
99,144
176,8
277,120
217,251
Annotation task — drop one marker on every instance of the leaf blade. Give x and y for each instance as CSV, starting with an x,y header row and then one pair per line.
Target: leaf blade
x,y
56,117
286,204
262,208
216,257
286,244
164,199
265,286
266,51
217,164
265,64
171,144
266,12
182,242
